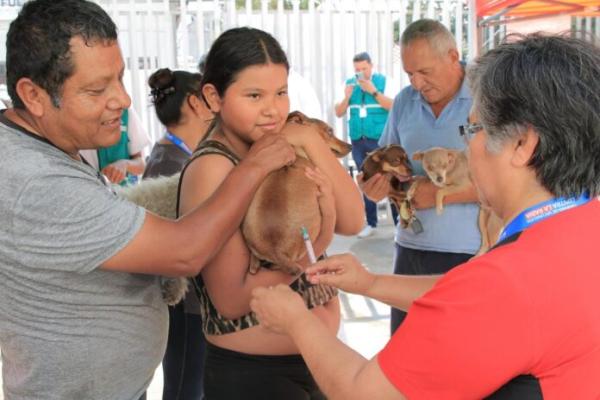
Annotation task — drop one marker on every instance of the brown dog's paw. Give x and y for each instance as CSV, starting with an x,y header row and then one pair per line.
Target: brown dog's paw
x,y
406,212
173,289
253,264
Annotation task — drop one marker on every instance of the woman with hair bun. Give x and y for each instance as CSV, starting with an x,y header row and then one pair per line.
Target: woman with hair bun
x,y
179,107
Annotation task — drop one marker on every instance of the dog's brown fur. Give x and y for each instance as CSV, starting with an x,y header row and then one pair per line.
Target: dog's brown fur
x,y
447,169
393,161
284,203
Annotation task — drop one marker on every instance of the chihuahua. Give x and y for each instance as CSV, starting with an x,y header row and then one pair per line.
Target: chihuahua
x,y
448,170
392,160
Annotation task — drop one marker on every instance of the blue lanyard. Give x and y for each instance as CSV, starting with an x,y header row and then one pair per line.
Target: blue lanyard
x,y
179,143
540,212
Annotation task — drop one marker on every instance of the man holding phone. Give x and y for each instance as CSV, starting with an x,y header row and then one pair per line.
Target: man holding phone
x,y
367,96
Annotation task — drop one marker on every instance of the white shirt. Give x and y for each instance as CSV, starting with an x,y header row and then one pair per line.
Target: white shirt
x,y
303,96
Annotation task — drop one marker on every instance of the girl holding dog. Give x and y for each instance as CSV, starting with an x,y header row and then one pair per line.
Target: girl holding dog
x,y
245,86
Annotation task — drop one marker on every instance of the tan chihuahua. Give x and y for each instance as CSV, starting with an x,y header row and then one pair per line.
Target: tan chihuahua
x,y
448,170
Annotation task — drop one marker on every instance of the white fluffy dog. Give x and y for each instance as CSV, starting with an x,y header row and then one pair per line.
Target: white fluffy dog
x,y
159,196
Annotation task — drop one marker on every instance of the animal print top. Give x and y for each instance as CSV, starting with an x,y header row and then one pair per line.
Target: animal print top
x,y
213,323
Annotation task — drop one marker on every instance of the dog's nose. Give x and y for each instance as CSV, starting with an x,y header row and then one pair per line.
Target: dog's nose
x,y
439,179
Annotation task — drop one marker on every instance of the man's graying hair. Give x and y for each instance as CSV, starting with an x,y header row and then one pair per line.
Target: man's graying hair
x,y
549,84
38,42
434,32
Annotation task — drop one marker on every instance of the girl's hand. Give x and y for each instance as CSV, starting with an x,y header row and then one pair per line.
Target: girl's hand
x,y
326,197
296,134
343,271
277,307
327,207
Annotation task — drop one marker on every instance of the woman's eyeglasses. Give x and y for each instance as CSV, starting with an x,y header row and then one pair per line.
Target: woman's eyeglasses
x,y
468,131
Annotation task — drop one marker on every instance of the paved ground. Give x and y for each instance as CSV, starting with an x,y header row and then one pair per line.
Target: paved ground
x,y
365,323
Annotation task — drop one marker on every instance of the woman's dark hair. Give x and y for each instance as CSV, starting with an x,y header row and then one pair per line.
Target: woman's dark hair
x,y
169,89
38,42
237,49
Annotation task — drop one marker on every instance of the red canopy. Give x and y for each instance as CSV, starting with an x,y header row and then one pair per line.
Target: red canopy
x,y
525,9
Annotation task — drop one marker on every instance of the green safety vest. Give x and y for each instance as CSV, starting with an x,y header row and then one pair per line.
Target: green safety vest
x,y
118,151
370,126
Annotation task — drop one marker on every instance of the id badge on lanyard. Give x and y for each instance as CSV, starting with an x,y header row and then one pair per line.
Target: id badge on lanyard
x,y
541,211
362,112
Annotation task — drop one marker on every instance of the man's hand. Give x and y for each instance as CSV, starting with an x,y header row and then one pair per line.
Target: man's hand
x,y
343,271
116,171
424,195
277,307
270,153
375,188
367,86
348,91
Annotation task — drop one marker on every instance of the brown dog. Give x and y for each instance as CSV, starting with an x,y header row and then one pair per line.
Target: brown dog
x,y
392,160
448,170
284,203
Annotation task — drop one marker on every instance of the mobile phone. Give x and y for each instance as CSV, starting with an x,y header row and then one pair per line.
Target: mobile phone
x,y
360,75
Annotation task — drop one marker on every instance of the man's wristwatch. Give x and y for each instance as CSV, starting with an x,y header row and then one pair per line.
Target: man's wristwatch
x,y
375,93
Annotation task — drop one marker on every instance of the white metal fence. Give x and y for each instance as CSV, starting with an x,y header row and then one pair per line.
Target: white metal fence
x,y
320,39
587,27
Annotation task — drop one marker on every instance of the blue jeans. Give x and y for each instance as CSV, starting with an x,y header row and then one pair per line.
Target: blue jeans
x,y
183,364
360,148
421,262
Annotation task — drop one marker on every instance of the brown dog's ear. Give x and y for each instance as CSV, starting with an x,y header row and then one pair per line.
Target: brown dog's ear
x,y
451,157
296,117
418,156
374,155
